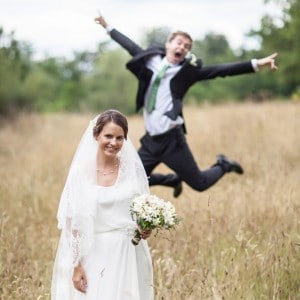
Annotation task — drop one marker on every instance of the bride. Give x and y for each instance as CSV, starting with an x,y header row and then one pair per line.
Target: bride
x,y
95,257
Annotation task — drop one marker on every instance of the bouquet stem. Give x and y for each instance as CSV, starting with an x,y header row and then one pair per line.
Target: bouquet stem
x,y
136,237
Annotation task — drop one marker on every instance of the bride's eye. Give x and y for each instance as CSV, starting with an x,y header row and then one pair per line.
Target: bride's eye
x,y
120,138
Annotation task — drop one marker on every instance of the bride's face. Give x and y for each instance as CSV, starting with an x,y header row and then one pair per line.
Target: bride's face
x,y
111,139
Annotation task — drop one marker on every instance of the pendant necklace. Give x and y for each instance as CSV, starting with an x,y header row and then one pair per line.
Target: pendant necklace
x,y
107,172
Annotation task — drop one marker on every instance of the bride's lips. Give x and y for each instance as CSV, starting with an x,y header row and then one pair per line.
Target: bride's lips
x,y
111,149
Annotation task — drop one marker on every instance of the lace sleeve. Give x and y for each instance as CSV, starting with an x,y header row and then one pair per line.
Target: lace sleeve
x,y
76,223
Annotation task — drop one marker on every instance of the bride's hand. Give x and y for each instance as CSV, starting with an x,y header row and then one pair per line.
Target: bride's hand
x,y
145,233
79,279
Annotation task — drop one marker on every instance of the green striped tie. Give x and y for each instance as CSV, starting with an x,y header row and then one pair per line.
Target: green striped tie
x,y
152,96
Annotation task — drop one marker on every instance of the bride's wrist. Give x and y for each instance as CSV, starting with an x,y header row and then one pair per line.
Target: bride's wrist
x,y
79,266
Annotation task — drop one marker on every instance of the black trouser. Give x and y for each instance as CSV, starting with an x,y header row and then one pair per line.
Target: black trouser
x,y
171,149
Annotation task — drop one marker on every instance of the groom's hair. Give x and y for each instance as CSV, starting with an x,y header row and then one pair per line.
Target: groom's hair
x,y
173,35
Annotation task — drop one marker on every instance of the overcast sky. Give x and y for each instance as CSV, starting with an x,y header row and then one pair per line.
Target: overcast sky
x,y
58,27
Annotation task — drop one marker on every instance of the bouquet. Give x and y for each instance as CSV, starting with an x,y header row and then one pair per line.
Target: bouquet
x,y
151,212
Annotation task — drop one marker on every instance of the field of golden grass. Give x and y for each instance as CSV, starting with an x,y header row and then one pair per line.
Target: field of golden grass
x,y
238,240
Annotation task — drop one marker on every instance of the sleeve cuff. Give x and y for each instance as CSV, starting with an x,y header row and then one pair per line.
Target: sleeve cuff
x,y
254,64
109,29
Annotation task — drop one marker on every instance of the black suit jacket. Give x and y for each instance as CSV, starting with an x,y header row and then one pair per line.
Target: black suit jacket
x,y
191,72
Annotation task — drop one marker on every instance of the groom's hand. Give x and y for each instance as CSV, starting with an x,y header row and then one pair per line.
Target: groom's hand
x,y
268,61
100,20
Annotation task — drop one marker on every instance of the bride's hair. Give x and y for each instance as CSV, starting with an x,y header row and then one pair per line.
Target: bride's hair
x,y
108,116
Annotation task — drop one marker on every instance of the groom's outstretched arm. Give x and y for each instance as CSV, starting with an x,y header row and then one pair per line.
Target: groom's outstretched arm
x,y
119,37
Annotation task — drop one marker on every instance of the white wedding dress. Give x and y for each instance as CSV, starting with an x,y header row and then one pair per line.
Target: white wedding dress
x,y
96,229
115,268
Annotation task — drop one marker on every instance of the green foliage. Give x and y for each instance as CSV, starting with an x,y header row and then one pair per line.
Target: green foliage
x,y
213,49
282,34
97,81
40,87
157,36
14,66
109,84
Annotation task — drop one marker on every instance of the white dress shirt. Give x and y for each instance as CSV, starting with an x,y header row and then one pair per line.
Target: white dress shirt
x,y
157,122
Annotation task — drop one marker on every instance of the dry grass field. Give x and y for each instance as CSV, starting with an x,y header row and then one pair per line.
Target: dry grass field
x,y
238,240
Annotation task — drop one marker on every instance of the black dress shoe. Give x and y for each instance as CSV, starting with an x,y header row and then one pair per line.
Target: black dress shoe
x,y
229,165
177,190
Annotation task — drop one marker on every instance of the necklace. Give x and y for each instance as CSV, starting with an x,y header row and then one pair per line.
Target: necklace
x,y
110,171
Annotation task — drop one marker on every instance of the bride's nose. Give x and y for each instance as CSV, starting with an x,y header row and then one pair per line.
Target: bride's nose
x,y
113,141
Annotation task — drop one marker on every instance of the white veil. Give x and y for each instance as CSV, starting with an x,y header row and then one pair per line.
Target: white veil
x,y
76,213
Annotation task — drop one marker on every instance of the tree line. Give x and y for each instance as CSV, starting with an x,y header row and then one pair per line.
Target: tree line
x,y
94,81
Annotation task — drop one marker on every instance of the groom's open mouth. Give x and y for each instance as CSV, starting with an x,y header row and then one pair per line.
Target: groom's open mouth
x,y
178,55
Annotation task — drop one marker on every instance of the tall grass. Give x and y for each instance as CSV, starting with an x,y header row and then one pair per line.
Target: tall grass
x,y
238,240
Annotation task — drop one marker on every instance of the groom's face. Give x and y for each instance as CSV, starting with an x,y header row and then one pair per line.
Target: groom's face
x,y
177,48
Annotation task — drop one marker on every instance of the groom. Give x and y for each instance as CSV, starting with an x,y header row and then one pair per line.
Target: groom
x,y
164,76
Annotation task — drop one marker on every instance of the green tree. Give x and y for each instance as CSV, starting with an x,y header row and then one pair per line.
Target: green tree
x,y
213,49
14,66
110,85
40,88
156,36
60,85
282,33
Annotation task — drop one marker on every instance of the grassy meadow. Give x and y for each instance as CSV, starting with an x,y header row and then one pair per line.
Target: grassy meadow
x,y
239,239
